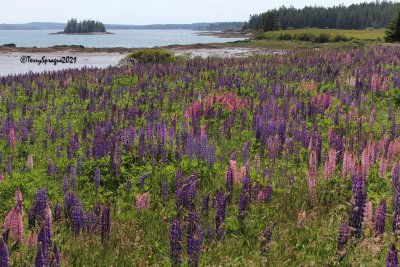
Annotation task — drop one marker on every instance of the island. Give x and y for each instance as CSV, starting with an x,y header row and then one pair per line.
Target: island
x,y
84,27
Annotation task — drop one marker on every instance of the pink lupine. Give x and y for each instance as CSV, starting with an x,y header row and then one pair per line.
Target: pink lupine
x,y
12,138
394,149
365,163
372,118
29,162
382,167
368,214
14,223
349,164
330,164
143,201
32,238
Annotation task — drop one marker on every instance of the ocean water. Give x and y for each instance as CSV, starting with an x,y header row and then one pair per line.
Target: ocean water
x,y
120,38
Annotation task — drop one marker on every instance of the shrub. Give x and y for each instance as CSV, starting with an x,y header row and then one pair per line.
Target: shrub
x,y
323,37
339,38
306,37
148,56
285,36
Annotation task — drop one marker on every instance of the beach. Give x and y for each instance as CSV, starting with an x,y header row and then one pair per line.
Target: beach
x,y
10,57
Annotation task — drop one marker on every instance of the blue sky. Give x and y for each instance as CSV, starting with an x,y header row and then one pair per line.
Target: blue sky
x,y
145,11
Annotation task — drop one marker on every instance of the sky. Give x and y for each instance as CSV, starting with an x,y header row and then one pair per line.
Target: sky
x,y
145,11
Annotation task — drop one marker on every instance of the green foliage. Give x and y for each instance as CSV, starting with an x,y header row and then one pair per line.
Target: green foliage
x,y
357,16
393,31
73,26
148,56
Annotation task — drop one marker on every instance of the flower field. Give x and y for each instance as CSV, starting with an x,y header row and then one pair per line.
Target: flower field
x,y
281,160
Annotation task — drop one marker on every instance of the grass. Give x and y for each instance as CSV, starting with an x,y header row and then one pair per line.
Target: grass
x,y
372,34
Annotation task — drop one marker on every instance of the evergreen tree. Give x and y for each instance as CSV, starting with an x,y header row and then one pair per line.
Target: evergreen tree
x,y
393,31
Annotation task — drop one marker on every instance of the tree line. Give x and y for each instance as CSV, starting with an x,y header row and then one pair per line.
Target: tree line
x,y
356,16
73,26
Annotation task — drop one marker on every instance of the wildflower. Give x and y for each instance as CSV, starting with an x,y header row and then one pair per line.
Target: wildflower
x,y
176,243
380,219
392,259
4,256
105,223
96,179
266,239
39,258
143,201
343,235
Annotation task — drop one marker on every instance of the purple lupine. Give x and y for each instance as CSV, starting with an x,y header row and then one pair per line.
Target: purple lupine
x,y
57,212
96,179
221,199
71,200
77,220
55,258
229,178
266,239
194,239
40,204
164,190
143,179
343,235
47,226
380,219
40,260
65,183
245,197
396,213
9,165
358,208
204,205
175,242
178,179
392,259
105,223
128,185
4,257
42,240
72,177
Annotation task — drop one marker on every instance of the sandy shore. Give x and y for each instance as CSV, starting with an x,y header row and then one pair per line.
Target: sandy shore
x,y
10,57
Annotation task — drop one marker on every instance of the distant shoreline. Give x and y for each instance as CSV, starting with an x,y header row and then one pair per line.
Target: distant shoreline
x,y
82,33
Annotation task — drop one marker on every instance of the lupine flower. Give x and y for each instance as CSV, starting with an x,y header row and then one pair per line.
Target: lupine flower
x,y
96,179
380,219
128,185
395,176
382,167
4,257
229,178
77,220
39,258
12,138
105,223
396,213
245,197
392,259
57,212
9,165
312,174
164,190
368,214
55,259
266,239
358,208
194,239
343,235
143,201
42,240
176,243
205,205
221,211
266,194
32,239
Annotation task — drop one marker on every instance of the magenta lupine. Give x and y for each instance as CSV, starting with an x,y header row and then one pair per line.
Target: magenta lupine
x,y
176,243
380,219
4,256
392,259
